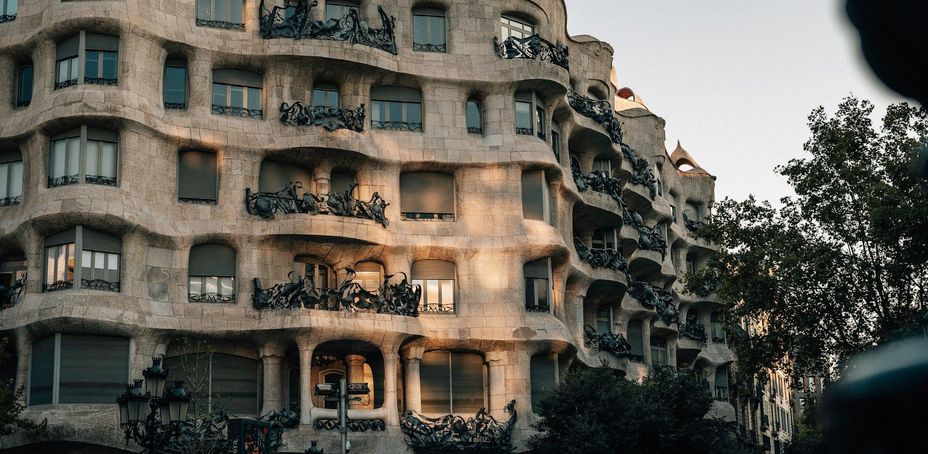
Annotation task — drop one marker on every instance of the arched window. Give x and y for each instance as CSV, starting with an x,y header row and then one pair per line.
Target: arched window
x,y
225,14
427,196
25,73
83,255
428,30
398,108
83,154
11,177
369,275
721,383
274,176
102,59
78,369
175,83
452,382
659,351
717,325
635,337
535,197
691,211
544,375
437,280
315,271
211,274
516,28
237,92
326,95
224,381
537,285
197,176
530,114
474,117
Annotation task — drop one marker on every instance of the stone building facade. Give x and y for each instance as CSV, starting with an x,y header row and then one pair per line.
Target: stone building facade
x,y
451,200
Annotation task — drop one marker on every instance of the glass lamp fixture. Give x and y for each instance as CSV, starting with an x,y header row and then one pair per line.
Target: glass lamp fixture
x,y
155,378
175,404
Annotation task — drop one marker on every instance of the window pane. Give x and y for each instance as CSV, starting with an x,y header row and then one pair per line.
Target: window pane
x,y
42,370
438,30
234,383
59,150
211,285
91,156
235,11
86,265
73,67
541,292
318,98
16,179
414,113
543,375
332,99
431,292
529,292
25,85
11,6
108,159
4,180
93,64
435,382
69,252
227,286
175,85
419,30
377,111
112,267
109,65
50,255
62,71
395,111
196,285
93,369
523,115
219,94
204,10
222,11
61,264
236,96
254,98
473,115
74,156
99,260
447,293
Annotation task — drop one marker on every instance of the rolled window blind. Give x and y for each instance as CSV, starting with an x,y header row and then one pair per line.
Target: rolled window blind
x,y
432,269
65,237
93,369
212,260
544,376
69,47
536,269
235,383
635,337
98,41
435,379
533,195
100,241
427,192
238,77
275,176
467,383
197,175
394,93
42,371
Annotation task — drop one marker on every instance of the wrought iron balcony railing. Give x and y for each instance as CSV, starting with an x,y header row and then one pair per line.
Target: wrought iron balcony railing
x,y
238,111
175,105
641,170
656,298
100,80
100,284
598,181
693,329
424,47
9,201
22,103
225,25
649,238
65,83
600,258
452,433
100,179
610,342
533,47
397,298
58,285
7,18
692,225
292,21
396,125
597,110
416,216
54,182
210,297
473,130
330,118
10,296
267,204
354,425
436,308
539,308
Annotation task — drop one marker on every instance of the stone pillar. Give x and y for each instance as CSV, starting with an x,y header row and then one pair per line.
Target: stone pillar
x,y
390,361
413,388
23,355
496,365
646,340
272,357
354,373
322,175
672,353
306,392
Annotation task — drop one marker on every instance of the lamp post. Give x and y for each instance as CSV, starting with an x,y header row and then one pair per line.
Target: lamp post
x,y
166,418
340,392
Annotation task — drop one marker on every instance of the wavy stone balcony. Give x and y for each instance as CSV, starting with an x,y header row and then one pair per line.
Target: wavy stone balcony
x,y
267,204
600,258
599,111
11,295
292,21
655,298
610,342
533,47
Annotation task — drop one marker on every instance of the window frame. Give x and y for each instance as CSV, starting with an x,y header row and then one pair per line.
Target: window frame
x,y
73,69
56,368
168,63
20,79
243,111
213,21
430,14
442,216
451,381
534,284
478,111
73,256
326,90
538,115
511,26
8,191
662,351
382,109
442,306
101,56
83,155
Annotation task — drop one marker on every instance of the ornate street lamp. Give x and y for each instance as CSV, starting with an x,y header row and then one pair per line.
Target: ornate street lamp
x,y
175,404
155,377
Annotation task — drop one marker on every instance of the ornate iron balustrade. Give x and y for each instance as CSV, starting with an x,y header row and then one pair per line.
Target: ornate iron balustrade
x,y
399,298
657,298
541,309
525,131
641,170
63,180
9,296
649,238
473,130
238,111
600,258
416,216
100,179
330,118
691,225
58,285
597,110
482,433
175,105
267,204
533,47
7,18
65,83
354,425
210,298
9,201
292,21
693,329
100,81
598,181
610,342
396,125
422,47
220,24
22,103
436,309
100,284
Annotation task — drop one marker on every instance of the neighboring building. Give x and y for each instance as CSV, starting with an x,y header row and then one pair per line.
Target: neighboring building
x,y
256,192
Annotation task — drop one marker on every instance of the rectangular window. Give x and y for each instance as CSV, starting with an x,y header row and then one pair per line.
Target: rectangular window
x,y
474,121
8,10
197,176
99,270
175,85
524,118
636,338
318,274
515,28
325,97
211,289
537,285
66,71
64,161
100,67
428,31
42,371
96,163
603,320
78,369
59,267
452,383
336,11
437,295
24,86
540,122
100,162
534,195
544,376
604,166
673,212
11,182
396,115
226,14
556,144
658,352
604,239
237,100
427,196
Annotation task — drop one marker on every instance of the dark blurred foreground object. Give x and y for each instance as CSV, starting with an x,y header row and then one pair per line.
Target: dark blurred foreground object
x,y
894,38
879,405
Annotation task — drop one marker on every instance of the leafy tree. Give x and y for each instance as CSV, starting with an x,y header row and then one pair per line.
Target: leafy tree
x,y
598,411
840,267
808,437
11,408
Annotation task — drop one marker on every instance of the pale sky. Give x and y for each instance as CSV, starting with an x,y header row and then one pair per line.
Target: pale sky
x,y
734,79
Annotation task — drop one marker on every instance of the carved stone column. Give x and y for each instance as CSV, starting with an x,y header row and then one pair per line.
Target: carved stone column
x,y
646,340
390,361
354,373
496,365
272,357
306,392
411,360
